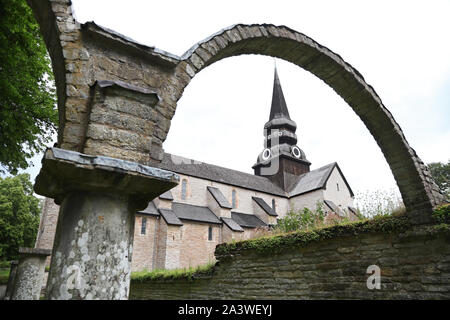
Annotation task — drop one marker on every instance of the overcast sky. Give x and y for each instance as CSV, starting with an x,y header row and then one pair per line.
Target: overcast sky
x,y
401,48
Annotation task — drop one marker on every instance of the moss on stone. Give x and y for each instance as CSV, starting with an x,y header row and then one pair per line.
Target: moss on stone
x,y
187,274
382,224
440,228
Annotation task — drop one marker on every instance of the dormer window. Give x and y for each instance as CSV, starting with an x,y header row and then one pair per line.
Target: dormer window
x,y
183,189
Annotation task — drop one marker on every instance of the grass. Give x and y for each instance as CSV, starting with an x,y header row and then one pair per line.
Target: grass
x,y
4,276
186,273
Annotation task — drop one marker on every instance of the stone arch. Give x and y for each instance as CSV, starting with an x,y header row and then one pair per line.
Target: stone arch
x,y
84,56
419,191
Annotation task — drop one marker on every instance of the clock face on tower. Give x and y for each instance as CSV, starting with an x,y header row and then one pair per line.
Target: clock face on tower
x,y
266,154
296,152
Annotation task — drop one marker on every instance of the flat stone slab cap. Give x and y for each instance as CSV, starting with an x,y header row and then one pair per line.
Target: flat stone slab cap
x,y
66,171
125,85
35,251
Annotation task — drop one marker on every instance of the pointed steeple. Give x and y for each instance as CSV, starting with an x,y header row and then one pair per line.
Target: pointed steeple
x,y
282,161
279,107
279,118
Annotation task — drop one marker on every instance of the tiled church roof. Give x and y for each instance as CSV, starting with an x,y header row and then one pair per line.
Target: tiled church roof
x,y
312,180
233,225
307,182
316,179
247,220
267,209
150,210
170,217
190,212
219,197
219,174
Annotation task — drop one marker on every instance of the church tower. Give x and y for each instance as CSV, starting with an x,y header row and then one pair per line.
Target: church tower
x,y
282,161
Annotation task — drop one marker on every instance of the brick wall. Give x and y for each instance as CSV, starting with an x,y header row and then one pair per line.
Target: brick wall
x,y
195,248
414,264
144,244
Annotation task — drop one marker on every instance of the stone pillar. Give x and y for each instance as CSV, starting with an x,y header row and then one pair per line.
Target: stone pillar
x,y
29,276
98,197
12,276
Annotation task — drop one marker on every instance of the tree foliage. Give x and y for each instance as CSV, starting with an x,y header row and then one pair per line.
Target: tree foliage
x,y
441,174
28,115
19,215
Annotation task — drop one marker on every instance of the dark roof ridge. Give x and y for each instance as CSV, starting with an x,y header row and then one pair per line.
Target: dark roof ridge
x,y
277,191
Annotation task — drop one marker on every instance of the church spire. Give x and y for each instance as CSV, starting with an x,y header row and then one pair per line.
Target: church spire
x,y
279,108
281,160
279,119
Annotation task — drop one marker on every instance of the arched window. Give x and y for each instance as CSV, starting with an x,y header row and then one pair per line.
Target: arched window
x,y
337,186
144,225
233,199
210,233
183,189
273,204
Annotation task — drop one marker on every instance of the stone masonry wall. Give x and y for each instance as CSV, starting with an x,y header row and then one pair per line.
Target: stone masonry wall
x,y
47,226
414,264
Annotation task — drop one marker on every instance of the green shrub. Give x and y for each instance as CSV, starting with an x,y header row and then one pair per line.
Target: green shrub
x,y
4,276
304,219
442,213
5,264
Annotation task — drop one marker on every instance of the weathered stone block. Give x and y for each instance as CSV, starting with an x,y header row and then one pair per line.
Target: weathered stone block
x,y
29,276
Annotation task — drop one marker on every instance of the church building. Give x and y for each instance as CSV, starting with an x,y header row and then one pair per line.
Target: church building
x,y
212,204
